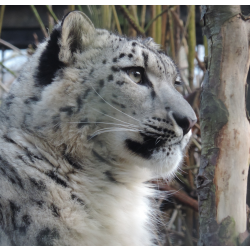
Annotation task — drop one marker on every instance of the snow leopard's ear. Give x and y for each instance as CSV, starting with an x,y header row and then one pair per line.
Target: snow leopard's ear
x,y
77,34
151,43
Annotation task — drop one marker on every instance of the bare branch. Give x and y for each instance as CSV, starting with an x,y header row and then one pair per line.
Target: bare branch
x,y
39,20
131,20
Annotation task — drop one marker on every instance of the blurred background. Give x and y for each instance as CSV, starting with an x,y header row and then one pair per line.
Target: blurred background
x,y
178,29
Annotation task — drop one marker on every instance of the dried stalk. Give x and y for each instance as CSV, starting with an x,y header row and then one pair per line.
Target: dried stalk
x,y
191,45
50,19
163,27
188,237
187,22
151,21
1,17
143,15
173,217
134,10
152,31
39,20
106,16
158,23
52,13
71,7
79,7
172,45
116,20
131,31
9,45
196,143
10,71
179,195
4,88
177,35
131,20
181,234
191,168
179,22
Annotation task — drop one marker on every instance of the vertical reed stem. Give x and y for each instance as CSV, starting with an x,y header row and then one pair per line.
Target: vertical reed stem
x,y
39,20
1,17
191,45
158,22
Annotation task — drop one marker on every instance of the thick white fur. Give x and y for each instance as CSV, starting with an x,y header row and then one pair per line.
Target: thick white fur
x,y
114,213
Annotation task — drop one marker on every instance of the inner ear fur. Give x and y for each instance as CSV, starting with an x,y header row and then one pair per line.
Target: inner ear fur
x,y
77,34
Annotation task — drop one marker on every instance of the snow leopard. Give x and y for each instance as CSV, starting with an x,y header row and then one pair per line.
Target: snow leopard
x,y
92,118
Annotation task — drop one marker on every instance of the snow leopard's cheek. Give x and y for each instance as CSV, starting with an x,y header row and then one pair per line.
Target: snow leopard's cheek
x,y
167,161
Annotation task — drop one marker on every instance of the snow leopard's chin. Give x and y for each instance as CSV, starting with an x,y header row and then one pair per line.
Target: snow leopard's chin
x,y
165,159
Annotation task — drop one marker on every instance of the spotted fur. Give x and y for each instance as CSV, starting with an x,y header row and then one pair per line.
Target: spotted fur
x,y
80,139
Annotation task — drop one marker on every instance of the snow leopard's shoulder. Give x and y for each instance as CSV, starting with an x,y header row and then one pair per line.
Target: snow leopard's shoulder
x,y
92,117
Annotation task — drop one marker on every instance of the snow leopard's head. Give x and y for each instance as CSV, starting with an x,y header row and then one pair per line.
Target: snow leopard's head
x,y
98,91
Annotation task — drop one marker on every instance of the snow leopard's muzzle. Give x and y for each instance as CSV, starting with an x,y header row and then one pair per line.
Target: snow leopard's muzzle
x,y
164,131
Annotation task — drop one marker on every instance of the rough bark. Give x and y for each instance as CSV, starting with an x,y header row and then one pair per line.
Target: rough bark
x,y
222,178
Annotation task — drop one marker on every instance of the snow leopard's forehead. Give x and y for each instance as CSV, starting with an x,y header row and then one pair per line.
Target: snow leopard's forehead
x,y
128,52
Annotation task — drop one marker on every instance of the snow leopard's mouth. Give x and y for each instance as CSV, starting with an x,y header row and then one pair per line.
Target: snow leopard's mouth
x,y
149,145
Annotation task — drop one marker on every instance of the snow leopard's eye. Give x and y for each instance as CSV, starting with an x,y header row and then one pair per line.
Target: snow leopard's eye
x,y
136,74
178,81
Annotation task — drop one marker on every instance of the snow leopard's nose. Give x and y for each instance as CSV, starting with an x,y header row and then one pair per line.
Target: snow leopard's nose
x,y
186,123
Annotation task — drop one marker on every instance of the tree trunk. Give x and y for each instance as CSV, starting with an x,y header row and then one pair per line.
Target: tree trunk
x,y
222,178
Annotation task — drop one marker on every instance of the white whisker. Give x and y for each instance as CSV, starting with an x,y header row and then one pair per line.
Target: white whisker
x,y
114,107
157,140
110,128
112,117
98,132
104,123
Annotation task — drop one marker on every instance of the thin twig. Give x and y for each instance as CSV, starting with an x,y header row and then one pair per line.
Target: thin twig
x,y
90,9
184,181
10,71
189,237
179,22
134,10
151,21
131,20
196,143
9,45
185,83
171,32
71,7
200,64
39,20
197,125
80,8
116,20
181,234
4,87
52,13
143,15
173,217
190,168
187,22
179,195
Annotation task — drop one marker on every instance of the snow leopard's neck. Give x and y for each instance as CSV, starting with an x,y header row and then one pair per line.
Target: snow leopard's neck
x,y
119,206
